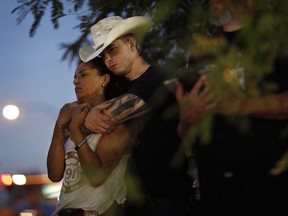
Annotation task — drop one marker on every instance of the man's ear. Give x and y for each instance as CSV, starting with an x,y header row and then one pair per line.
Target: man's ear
x,y
132,42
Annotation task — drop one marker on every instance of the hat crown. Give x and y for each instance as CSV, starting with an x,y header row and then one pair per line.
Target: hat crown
x,y
101,29
105,31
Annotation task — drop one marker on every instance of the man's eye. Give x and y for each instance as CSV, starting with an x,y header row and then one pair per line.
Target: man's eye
x,y
111,49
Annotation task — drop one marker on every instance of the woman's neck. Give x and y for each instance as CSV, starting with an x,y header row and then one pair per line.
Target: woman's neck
x,y
96,100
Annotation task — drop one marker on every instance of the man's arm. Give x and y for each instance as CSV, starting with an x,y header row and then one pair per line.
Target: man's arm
x,y
273,106
104,117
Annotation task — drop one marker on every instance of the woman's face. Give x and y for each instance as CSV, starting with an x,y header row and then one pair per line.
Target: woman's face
x,y
88,83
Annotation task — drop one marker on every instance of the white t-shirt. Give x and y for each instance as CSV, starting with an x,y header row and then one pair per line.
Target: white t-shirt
x,y
76,191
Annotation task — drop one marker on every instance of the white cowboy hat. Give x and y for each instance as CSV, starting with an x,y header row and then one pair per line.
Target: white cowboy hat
x,y
105,31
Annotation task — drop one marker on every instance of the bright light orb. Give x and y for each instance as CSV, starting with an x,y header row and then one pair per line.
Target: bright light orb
x,y
11,112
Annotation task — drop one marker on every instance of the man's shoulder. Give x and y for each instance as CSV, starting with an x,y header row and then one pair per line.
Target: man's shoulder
x,y
156,73
154,68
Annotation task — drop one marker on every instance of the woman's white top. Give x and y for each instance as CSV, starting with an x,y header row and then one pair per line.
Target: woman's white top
x,y
76,191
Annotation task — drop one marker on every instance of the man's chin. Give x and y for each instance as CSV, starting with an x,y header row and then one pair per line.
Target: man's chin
x,y
118,73
221,19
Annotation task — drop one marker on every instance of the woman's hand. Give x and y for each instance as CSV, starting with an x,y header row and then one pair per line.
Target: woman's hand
x,y
78,115
64,115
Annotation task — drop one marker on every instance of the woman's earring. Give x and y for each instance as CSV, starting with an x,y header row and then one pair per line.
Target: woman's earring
x,y
103,85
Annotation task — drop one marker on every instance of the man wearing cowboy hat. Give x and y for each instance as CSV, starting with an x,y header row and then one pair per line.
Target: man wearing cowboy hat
x,y
157,165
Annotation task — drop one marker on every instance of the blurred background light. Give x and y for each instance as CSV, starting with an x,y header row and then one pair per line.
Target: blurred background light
x,y
51,191
6,179
19,179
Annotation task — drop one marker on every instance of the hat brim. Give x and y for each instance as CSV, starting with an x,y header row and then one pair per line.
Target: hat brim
x,y
136,25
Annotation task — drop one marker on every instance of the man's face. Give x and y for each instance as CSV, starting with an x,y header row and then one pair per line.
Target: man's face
x,y
223,12
118,56
219,12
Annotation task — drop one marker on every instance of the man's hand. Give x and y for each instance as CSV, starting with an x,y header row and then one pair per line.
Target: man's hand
x,y
98,122
194,104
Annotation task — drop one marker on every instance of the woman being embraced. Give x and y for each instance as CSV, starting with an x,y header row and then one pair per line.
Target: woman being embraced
x,y
91,166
